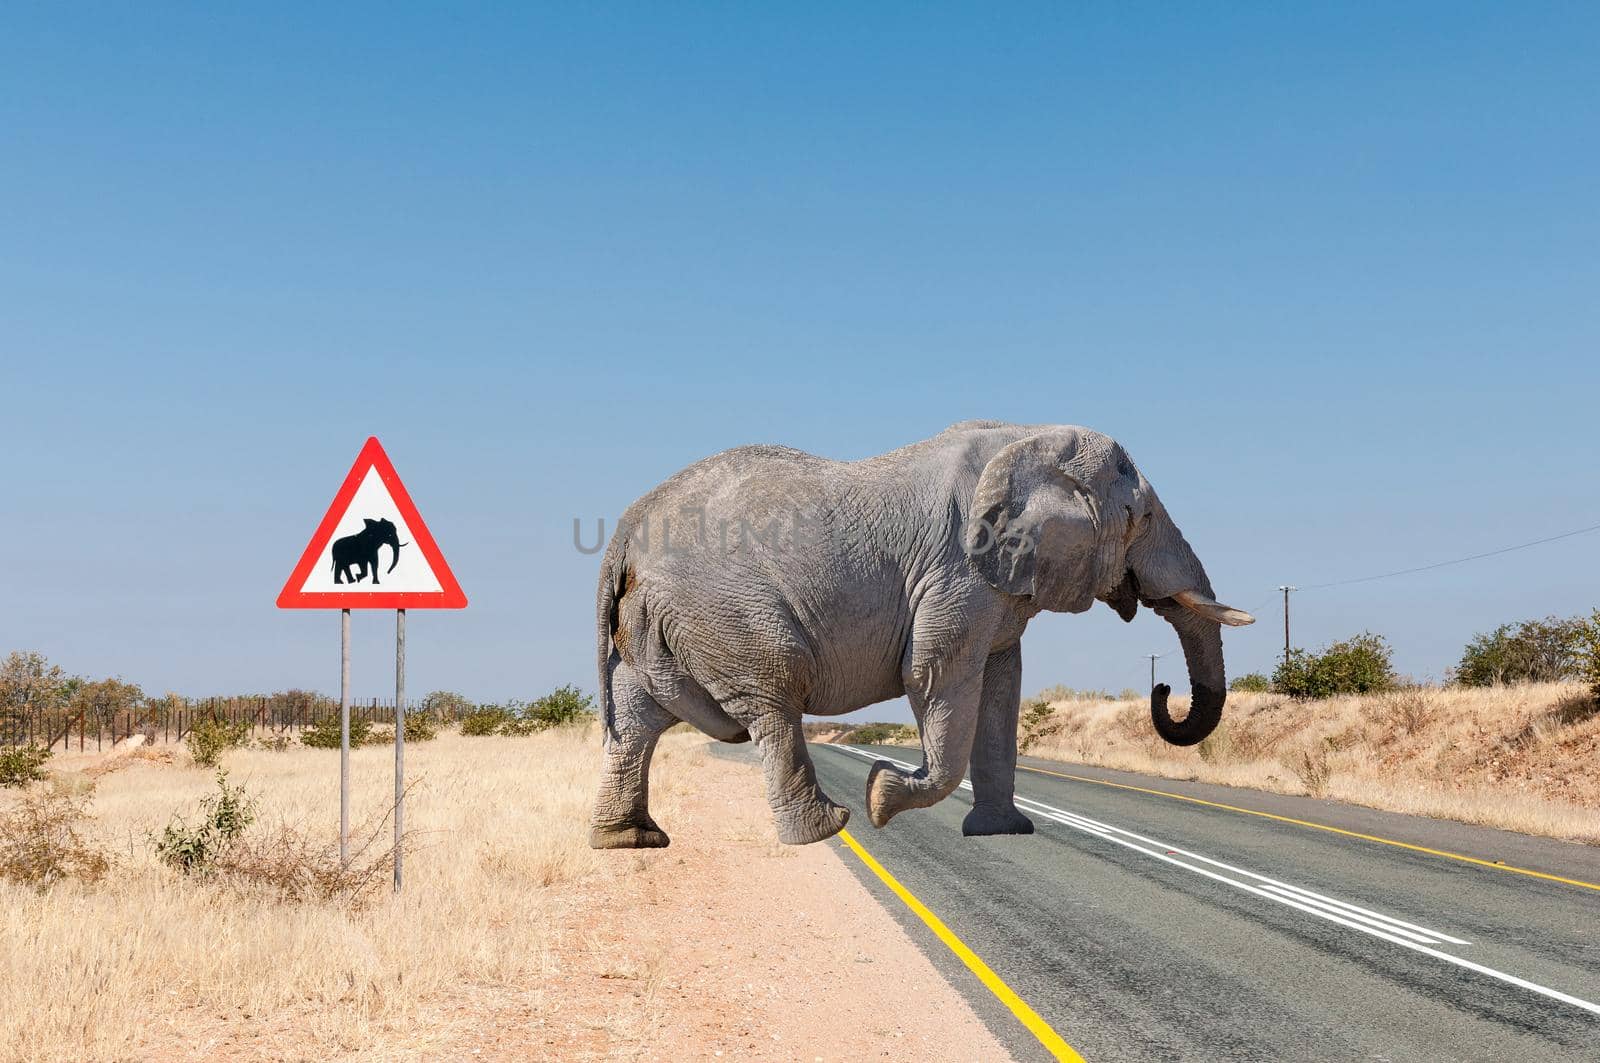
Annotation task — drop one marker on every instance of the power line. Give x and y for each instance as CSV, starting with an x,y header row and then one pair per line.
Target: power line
x,y
1457,561
1284,590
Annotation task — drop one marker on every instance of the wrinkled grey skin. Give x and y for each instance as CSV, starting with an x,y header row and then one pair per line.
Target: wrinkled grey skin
x,y
876,578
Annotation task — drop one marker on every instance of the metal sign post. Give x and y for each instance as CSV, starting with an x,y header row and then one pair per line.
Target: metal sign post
x,y
399,745
344,737
371,520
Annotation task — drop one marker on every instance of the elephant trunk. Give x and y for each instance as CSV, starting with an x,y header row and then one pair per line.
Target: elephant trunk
x,y
1202,650
397,545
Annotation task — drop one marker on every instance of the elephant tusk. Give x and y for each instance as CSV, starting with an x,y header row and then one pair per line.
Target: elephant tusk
x,y
1213,610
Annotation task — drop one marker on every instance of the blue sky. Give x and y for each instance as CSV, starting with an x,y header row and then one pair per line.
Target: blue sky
x,y
1328,273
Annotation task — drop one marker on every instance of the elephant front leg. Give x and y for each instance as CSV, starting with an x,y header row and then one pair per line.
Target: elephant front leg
x,y
802,811
949,716
994,750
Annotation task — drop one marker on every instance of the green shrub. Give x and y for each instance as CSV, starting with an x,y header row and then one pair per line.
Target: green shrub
x,y
224,816
1357,665
324,733
21,765
277,742
1586,643
881,734
562,707
516,725
211,737
1251,683
445,705
1036,721
1534,651
421,727
485,720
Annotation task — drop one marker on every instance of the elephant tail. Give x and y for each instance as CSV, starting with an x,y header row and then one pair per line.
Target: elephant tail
x,y
611,569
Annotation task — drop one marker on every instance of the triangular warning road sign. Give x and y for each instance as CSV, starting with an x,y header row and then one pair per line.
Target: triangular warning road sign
x,y
372,521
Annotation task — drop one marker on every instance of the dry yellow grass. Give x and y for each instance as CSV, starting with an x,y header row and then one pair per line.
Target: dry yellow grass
x,y
1523,758
150,965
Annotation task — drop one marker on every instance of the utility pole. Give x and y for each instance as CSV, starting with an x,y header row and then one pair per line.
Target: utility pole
x,y
1286,589
1154,657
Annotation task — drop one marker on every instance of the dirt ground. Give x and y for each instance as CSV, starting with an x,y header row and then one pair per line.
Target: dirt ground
x,y
513,940
727,945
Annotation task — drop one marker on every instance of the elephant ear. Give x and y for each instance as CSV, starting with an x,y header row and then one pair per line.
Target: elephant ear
x,y
1032,519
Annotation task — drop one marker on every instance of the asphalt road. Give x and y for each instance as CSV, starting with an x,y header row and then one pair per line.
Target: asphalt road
x,y
1140,926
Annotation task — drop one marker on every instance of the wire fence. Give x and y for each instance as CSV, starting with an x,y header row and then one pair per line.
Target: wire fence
x,y
170,719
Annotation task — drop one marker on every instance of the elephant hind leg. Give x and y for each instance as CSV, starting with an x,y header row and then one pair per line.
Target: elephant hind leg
x,y
621,817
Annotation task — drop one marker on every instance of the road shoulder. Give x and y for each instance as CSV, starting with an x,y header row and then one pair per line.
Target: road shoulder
x,y
730,945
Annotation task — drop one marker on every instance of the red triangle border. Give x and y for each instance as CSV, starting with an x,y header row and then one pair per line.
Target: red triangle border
x,y
450,595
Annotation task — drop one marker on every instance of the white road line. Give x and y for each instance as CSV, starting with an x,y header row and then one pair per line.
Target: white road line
x,y
1375,924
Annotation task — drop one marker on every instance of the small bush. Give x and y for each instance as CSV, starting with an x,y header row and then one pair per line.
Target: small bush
x,y
421,727
1311,768
516,726
1251,683
1586,650
324,733
41,841
1409,711
211,737
486,720
195,849
1217,747
881,734
445,705
1357,665
1534,651
562,707
277,742
21,765
292,865
1035,722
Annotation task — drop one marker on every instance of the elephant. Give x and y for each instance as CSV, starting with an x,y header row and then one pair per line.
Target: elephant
x,y
849,583
361,551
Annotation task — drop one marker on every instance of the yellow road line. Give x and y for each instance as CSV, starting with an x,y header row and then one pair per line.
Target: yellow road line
x,y
1027,1016
1322,826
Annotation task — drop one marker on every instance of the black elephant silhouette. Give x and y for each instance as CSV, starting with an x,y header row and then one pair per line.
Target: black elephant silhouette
x,y
361,551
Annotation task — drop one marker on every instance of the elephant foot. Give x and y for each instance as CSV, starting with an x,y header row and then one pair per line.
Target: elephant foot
x,y
985,820
815,823
887,793
629,836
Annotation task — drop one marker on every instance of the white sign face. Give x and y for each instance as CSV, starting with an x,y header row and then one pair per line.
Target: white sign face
x,y
372,549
